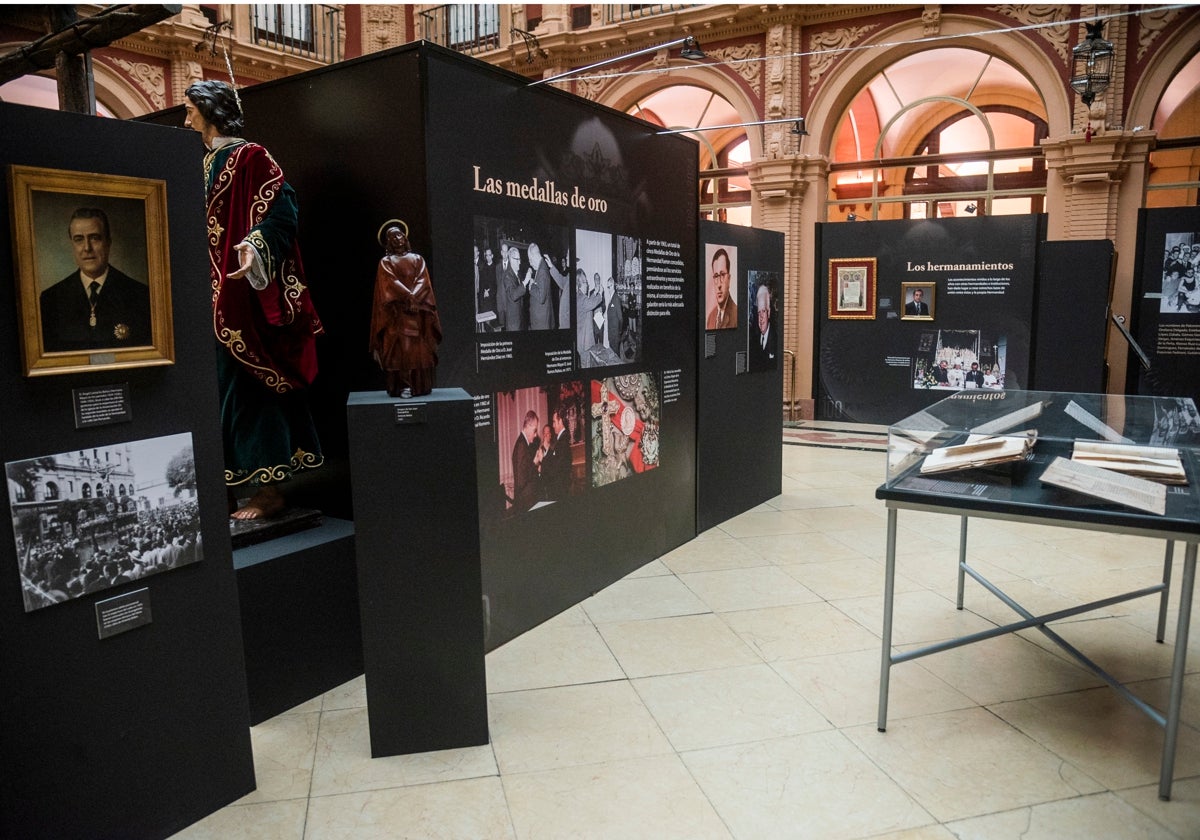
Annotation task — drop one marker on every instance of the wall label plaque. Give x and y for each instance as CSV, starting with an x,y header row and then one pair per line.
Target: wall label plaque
x,y
410,415
102,405
123,612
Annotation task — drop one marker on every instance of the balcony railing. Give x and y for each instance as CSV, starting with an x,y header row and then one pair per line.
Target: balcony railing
x,y
466,27
618,12
312,30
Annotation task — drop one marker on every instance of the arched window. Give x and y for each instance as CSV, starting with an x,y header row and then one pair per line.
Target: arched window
x,y
940,133
724,152
51,490
1175,161
85,491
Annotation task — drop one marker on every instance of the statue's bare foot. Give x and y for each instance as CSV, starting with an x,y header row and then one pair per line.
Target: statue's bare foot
x,y
267,503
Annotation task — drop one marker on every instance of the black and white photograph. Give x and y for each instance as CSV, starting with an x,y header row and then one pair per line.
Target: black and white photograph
x,y
95,518
626,412
608,299
522,276
953,360
1181,274
762,330
546,462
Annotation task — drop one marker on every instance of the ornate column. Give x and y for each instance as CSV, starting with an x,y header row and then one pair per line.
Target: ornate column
x,y
788,192
1095,186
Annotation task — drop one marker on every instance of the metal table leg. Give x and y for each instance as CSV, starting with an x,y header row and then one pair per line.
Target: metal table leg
x,y
889,586
1162,601
962,558
1170,742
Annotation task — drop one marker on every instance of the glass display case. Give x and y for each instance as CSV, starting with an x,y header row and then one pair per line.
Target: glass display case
x,y
992,451
1100,462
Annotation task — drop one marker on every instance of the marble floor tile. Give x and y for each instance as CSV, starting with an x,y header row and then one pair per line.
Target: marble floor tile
x,y
835,478
1084,818
800,631
710,555
282,820
938,569
569,726
673,645
551,655
1004,668
635,798
812,786
344,762
844,687
920,616
830,520
748,589
847,577
349,695
727,706
967,763
284,748
822,497
652,569
789,549
1181,814
761,523
868,537
1128,653
1102,735
652,597
457,810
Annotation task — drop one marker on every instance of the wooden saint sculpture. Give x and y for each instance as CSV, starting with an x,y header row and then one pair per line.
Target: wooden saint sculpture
x,y
405,329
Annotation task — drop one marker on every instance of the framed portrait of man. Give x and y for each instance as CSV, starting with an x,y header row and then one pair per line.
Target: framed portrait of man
x,y
918,301
852,284
720,288
93,270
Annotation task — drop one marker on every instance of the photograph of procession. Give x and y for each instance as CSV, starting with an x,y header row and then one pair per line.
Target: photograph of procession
x,y
95,518
953,360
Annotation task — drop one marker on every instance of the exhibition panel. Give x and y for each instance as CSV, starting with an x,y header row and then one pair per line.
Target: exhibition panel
x,y
1166,308
741,366
910,310
127,675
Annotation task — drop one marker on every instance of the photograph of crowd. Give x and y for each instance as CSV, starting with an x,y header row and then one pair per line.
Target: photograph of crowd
x,y
547,460
1176,422
1181,274
762,332
951,360
625,426
608,299
522,276
91,519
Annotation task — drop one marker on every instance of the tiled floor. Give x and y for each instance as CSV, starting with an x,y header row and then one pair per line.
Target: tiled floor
x,y
729,689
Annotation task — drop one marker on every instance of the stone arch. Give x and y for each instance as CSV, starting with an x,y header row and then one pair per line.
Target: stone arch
x,y
1180,48
849,77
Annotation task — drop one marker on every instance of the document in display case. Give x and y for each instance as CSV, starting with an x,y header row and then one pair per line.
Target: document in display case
x,y
1100,462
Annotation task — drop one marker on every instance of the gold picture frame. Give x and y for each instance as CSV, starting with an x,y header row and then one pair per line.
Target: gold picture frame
x,y
58,333
913,308
852,284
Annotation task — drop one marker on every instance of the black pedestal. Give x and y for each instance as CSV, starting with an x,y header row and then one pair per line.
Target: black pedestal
x,y
300,627
416,515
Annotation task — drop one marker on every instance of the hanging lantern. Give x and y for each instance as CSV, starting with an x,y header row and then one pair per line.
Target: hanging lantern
x,y
1092,64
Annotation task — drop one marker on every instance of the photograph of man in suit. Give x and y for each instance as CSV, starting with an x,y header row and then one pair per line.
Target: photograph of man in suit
x,y
556,463
917,307
524,466
97,305
763,338
723,311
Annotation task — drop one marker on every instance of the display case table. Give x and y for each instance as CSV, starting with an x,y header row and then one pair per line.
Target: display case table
x,y
1015,491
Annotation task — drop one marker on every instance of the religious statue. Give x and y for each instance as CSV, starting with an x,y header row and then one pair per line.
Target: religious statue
x,y
405,329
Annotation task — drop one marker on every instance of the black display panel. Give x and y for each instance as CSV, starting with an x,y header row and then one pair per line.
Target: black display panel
x,y
467,154
741,368
1166,308
597,353
160,709
880,346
